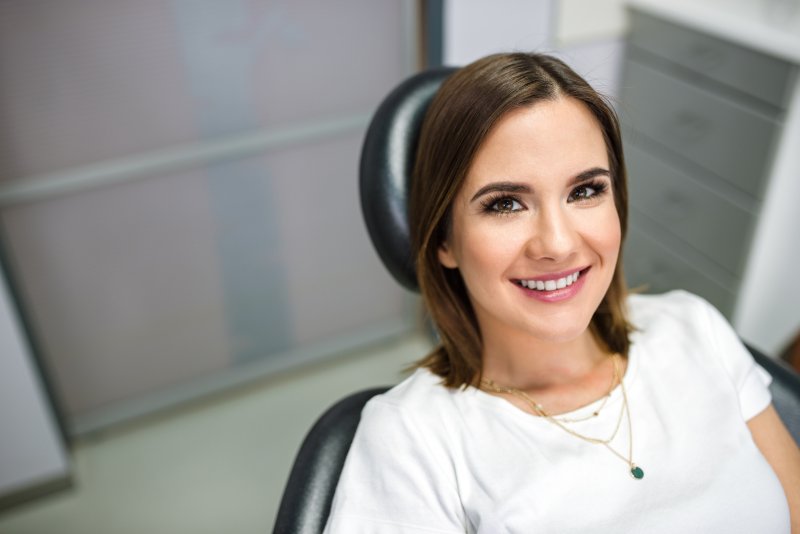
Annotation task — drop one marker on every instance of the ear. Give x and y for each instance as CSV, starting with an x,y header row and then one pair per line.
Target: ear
x,y
446,256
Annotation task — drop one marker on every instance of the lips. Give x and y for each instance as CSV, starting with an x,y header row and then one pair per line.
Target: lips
x,y
551,282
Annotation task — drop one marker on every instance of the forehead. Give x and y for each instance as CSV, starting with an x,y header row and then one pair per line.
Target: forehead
x,y
550,140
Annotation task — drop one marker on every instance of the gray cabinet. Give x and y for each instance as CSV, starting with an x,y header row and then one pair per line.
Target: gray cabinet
x,y
701,118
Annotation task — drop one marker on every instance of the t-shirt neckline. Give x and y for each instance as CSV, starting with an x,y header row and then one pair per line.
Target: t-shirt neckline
x,y
499,403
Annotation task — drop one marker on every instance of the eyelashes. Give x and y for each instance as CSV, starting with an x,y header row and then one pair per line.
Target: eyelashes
x,y
588,191
501,204
506,204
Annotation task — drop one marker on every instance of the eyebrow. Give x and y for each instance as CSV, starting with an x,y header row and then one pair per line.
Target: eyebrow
x,y
588,174
516,187
501,187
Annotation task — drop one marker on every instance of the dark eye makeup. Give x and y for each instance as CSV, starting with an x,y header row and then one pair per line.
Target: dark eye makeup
x,y
501,204
506,204
588,191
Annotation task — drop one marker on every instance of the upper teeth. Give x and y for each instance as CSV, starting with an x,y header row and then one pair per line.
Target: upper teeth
x,y
551,285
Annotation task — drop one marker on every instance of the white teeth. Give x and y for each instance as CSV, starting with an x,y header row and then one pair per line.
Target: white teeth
x,y
551,285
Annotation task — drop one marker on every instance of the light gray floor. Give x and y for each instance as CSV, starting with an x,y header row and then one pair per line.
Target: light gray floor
x,y
214,467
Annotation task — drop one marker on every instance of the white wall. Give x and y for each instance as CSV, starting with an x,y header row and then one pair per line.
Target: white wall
x,y
768,311
587,34
476,28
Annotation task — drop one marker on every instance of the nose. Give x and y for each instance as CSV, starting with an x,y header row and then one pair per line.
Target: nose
x,y
553,235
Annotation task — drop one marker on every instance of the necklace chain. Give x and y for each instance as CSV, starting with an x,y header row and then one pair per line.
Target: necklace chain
x,y
596,413
538,409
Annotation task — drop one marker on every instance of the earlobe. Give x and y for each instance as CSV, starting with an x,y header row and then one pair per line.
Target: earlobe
x,y
446,257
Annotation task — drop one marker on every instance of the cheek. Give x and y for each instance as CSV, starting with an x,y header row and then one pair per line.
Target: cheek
x,y
606,235
486,251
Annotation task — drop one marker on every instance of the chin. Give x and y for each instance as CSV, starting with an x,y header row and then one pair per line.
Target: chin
x,y
560,335
553,329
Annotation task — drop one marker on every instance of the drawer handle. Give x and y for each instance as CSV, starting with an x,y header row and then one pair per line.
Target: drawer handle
x,y
688,127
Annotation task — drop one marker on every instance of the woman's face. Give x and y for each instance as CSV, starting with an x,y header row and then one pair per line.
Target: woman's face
x,y
535,233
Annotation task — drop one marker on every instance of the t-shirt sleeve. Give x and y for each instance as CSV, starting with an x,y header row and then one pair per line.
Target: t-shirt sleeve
x,y
396,479
750,379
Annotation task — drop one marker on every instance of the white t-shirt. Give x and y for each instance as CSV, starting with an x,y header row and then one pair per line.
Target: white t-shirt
x,y
428,459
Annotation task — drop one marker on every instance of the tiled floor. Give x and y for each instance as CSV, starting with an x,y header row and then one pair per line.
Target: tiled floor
x,y
214,467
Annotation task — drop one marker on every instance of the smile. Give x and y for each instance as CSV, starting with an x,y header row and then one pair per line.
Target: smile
x,y
551,284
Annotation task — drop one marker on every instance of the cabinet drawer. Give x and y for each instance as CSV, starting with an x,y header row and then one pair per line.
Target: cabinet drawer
x,y
651,265
707,221
754,73
731,141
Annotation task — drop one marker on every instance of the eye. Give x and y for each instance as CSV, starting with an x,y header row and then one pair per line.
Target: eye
x,y
587,192
503,205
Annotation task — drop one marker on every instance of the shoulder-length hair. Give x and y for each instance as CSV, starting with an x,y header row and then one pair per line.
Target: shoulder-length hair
x,y
464,110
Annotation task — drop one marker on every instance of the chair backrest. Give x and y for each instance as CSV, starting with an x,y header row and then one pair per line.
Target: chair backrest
x,y
307,498
387,160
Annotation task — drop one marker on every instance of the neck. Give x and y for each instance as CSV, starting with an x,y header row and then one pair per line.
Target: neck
x,y
517,360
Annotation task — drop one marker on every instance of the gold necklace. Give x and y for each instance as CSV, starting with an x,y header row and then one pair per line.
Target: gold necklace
x,y
595,413
635,471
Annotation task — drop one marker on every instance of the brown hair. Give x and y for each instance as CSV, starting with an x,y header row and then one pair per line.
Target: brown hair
x,y
462,113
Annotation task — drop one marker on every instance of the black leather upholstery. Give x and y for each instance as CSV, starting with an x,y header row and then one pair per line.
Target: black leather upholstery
x,y
387,159
307,498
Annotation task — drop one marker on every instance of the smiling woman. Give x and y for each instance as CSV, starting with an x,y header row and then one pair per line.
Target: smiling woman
x,y
543,152
561,223
553,391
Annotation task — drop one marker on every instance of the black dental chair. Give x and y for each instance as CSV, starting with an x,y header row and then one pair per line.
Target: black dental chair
x,y
386,163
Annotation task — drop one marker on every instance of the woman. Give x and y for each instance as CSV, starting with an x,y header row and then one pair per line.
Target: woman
x,y
555,402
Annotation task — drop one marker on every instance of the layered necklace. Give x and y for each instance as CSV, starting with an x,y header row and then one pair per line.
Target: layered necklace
x,y
635,471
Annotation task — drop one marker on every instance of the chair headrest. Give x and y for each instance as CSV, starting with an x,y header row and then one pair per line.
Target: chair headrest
x,y
387,161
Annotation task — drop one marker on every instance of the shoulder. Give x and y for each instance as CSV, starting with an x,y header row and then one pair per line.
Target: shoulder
x,y
676,304
681,330
670,313
420,399
417,418
398,475
681,319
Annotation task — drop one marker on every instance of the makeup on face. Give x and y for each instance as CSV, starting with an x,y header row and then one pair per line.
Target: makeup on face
x,y
535,233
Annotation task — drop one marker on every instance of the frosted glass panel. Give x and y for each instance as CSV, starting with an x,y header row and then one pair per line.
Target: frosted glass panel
x,y
123,285
100,79
336,280
86,81
286,61
139,287
176,276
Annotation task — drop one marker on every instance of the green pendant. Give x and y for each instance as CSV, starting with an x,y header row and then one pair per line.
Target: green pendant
x,y
637,473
